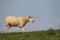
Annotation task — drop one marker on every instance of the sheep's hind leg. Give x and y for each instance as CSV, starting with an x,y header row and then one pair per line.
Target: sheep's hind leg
x,y
5,29
9,29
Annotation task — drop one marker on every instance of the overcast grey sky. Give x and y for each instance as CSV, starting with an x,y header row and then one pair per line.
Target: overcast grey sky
x,y
46,13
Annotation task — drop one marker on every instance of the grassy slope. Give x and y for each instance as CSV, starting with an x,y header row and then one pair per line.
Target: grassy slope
x,y
37,35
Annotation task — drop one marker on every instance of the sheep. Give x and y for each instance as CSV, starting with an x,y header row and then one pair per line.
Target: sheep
x,y
20,22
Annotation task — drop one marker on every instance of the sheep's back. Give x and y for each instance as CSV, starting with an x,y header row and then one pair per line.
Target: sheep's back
x,y
11,19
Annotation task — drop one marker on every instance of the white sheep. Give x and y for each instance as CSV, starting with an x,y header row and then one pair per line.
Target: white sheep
x,y
20,22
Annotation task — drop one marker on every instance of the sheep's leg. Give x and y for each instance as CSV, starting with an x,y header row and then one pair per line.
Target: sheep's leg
x,y
9,29
23,30
5,29
18,29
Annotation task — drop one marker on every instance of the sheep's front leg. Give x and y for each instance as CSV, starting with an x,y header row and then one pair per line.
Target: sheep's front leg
x,y
18,29
23,30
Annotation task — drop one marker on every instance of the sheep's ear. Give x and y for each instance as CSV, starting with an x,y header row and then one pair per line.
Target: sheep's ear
x,y
27,16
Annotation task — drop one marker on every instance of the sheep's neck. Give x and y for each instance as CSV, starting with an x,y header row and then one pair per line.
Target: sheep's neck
x,y
26,20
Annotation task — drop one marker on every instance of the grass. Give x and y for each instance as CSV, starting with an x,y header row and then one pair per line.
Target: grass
x,y
36,35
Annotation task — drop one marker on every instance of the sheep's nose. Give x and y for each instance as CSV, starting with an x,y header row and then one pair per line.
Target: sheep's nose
x,y
32,21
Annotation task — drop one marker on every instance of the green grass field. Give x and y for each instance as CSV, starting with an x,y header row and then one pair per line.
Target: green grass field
x,y
36,35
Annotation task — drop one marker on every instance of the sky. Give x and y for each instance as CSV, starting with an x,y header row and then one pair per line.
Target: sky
x,y
46,13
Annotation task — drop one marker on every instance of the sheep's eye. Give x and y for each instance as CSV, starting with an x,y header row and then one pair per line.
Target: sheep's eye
x,y
29,17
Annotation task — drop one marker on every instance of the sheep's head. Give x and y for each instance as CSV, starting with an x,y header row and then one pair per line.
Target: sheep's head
x,y
30,19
